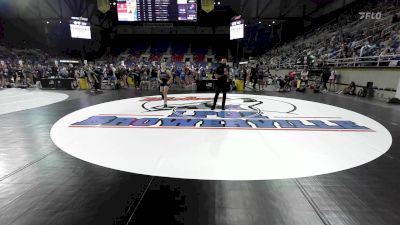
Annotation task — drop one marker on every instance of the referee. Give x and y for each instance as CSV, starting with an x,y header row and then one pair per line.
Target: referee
x,y
222,74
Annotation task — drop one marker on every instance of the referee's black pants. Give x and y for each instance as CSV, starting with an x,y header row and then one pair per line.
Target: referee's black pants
x,y
217,92
255,80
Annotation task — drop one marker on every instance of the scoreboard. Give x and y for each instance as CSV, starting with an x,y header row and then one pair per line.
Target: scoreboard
x,y
80,28
157,10
237,28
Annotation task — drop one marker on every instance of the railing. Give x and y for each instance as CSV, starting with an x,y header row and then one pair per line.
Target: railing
x,y
367,61
388,29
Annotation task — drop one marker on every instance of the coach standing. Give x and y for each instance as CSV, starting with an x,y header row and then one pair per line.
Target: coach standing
x,y
222,74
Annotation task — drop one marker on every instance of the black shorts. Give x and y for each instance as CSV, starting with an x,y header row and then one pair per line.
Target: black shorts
x,y
282,83
164,83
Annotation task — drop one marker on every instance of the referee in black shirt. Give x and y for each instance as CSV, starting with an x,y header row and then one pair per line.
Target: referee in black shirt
x,y
222,74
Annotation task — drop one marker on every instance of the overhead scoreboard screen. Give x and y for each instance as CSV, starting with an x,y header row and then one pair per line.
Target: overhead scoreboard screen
x,y
237,28
157,10
80,28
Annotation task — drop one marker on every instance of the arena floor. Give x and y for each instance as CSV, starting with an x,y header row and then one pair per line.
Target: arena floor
x,y
41,184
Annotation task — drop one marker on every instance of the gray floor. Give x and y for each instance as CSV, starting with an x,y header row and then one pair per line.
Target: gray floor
x,y
40,184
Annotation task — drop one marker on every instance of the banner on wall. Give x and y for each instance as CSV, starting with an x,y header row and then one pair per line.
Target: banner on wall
x,y
207,5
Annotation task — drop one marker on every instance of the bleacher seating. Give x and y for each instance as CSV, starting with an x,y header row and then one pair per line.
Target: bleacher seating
x,y
155,57
159,47
138,47
115,51
177,57
199,57
179,48
351,39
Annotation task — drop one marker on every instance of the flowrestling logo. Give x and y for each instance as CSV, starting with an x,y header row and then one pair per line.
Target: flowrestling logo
x,y
241,114
370,15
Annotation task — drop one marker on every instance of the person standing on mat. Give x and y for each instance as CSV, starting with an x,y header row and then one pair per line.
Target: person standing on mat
x,y
165,78
222,74
254,76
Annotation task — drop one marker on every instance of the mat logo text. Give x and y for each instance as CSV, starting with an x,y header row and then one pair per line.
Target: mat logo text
x,y
219,120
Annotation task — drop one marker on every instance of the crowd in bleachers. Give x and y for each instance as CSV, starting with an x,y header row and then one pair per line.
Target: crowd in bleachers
x,y
12,66
351,37
20,73
120,67
144,75
25,67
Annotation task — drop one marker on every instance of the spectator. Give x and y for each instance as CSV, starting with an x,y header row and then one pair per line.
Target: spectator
x,y
137,73
325,75
332,80
350,89
304,75
254,76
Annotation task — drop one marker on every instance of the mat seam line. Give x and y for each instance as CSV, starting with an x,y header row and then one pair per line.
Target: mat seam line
x,y
312,203
25,166
140,200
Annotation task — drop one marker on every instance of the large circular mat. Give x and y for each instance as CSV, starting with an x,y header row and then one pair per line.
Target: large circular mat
x,y
255,138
